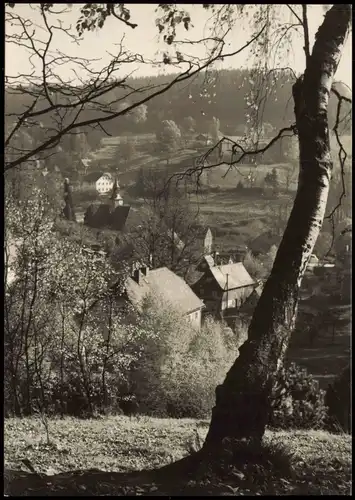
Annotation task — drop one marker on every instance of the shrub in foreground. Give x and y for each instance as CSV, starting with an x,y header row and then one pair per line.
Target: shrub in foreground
x,y
179,366
337,400
298,402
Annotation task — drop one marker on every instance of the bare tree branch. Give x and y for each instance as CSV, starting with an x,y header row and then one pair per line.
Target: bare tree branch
x,y
200,163
66,102
342,155
295,14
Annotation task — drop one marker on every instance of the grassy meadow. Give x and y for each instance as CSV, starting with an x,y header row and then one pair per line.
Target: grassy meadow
x,y
320,463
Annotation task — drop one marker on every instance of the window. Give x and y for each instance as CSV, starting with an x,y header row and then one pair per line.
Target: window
x,y
196,315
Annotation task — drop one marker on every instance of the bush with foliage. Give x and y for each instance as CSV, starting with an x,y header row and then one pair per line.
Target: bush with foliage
x,y
297,401
254,266
65,344
179,366
337,400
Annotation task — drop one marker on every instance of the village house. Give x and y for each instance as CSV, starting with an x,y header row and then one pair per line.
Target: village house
x,y
223,287
262,244
144,283
241,317
102,182
204,139
170,288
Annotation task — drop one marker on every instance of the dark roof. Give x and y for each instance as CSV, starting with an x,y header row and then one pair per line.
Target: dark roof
x,y
264,242
238,276
102,215
119,217
165,284
252,300
203,137
209,259
206,262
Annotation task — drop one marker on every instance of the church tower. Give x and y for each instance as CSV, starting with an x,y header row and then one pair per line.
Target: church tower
x,y
116,198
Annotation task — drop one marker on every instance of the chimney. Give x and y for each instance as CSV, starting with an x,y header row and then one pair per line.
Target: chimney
x,y
137,276
145,270
139,272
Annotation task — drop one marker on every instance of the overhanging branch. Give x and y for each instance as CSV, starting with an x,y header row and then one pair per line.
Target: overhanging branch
x,y
342,155
201,165
100,88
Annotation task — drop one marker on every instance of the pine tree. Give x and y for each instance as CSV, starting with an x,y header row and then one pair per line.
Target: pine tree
x,y
68,211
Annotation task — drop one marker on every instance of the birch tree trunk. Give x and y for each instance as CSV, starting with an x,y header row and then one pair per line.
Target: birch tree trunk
x,y
243,400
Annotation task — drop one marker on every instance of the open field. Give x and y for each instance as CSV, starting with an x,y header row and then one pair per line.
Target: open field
x,y
234,218
217,176
287,174
321,462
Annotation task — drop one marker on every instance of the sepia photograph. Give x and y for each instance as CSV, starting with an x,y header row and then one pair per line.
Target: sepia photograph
x,y
177,249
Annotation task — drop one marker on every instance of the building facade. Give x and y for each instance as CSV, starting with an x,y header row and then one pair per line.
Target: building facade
x,y
102,182
224,287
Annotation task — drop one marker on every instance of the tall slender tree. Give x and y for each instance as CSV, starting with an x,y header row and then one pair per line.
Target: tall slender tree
x,y
243,400
68,211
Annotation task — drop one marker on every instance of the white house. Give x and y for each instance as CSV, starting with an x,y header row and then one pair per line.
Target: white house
x,y
102,182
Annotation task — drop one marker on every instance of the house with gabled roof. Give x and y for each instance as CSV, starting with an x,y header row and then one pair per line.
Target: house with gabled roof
x,y
262,244
165,284
102,182
224,287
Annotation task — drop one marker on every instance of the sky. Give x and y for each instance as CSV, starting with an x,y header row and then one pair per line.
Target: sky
x,y
145,40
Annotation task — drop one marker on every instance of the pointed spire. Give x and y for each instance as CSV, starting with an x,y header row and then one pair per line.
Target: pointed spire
x,y
115,189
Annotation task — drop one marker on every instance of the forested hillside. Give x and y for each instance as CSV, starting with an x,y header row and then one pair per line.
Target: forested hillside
x,y
222,94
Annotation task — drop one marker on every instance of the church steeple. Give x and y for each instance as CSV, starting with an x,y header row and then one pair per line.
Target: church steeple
x,y
115,197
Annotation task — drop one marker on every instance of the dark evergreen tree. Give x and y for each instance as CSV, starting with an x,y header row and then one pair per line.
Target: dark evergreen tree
x,y
68,211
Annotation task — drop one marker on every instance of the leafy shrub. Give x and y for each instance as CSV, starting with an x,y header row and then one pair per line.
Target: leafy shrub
x,y
254,266
180,367
337,400
297,403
